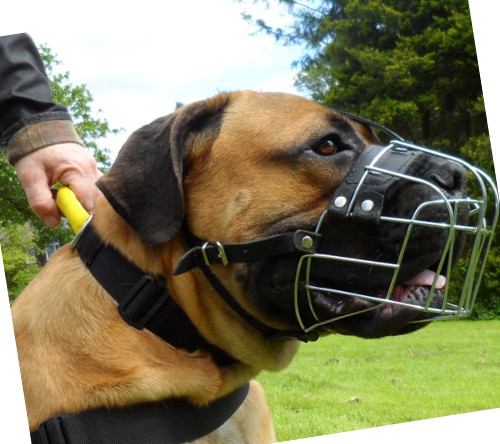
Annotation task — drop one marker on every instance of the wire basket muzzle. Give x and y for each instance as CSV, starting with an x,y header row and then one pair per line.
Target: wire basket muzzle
x,y
399,236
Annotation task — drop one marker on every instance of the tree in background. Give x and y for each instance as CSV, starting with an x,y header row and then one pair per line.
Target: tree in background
x,y
410,65
19,261
20,229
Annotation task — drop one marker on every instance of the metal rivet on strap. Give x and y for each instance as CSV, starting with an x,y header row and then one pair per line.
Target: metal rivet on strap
x,y
367,205
340,202
307,242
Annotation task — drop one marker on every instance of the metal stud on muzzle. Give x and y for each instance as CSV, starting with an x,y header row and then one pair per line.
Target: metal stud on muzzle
x,y
392,234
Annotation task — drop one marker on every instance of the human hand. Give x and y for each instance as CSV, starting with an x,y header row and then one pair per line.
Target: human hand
x,y
67,163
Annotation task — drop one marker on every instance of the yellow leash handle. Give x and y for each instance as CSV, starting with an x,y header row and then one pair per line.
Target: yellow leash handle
x,y
71,208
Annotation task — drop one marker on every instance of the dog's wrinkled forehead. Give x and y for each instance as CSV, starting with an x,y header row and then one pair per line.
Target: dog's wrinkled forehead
x,y
286,120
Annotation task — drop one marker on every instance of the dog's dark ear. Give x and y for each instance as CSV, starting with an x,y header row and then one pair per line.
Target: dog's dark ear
x,y
144,184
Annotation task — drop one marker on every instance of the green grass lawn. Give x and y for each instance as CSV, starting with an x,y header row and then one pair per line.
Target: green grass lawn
x,y
343,383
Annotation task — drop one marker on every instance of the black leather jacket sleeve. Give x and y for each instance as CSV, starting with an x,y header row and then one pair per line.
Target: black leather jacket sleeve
x,y
25,93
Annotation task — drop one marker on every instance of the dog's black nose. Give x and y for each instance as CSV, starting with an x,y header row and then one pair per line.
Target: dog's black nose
x,y
450,176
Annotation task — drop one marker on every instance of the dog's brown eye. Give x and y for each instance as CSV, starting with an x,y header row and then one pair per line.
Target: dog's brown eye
x,y
326,148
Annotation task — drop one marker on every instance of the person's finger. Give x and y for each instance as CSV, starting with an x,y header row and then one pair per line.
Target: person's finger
x,y
40,197
78,170
84,187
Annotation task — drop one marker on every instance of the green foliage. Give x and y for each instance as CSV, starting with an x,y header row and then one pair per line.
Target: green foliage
x,y
13,204
19,261
410,65
344,383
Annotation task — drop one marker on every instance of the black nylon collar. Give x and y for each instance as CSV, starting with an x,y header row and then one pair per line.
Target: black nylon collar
x,y
172,421
143,300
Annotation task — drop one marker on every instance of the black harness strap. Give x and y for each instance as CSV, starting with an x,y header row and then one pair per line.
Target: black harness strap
x,y
143,302
172,421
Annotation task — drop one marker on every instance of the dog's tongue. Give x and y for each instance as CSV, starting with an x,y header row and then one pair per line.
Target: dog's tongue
x,y
426,278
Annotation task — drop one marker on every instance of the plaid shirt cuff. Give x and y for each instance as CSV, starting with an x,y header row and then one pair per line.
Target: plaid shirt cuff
x,y
40,135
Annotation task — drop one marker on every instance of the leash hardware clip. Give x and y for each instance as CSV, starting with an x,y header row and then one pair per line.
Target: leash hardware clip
x,y
80,233
222,254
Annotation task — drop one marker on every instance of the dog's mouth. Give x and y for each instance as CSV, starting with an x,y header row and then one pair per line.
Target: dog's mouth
x,y
354,306
381,312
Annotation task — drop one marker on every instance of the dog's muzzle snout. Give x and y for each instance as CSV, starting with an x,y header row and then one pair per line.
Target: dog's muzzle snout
x,y
384,248
416,200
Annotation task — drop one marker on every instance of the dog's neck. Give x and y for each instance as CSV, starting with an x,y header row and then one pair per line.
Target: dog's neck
x,y
194,294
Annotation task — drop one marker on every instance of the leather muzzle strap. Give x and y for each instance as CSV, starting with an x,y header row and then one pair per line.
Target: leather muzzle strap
x,y
212,253
203,255
362,193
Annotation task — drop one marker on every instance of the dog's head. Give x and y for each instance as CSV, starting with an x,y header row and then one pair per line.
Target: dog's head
x,y
246,166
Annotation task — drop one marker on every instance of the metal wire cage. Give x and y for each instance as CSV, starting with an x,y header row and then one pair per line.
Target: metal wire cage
x,y
462,285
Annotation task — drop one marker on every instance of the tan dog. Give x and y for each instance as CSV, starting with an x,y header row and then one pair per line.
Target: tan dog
x,y
234,168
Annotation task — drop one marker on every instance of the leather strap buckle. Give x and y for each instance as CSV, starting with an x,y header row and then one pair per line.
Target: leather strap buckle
x,y
221,253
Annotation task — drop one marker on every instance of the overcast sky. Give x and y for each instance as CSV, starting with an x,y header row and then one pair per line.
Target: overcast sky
x,y
139,58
